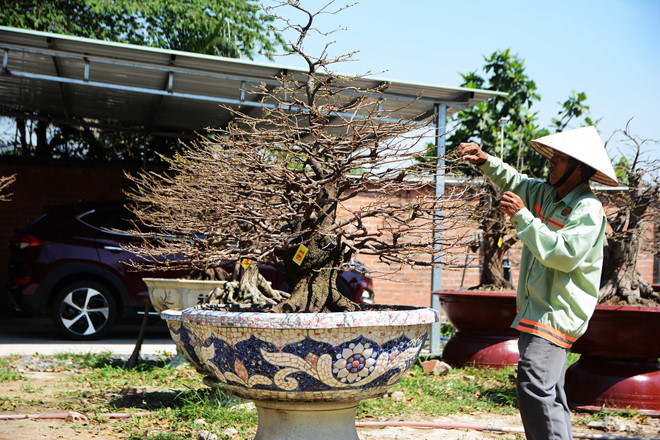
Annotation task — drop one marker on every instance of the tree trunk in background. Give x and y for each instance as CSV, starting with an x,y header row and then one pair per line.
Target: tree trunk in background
x,y
494,243
620,280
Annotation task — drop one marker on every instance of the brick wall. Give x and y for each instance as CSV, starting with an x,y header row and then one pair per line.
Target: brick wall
x,y
40,185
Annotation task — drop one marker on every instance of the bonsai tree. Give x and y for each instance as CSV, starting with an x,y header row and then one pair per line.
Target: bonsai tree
x,y
275,187
633,210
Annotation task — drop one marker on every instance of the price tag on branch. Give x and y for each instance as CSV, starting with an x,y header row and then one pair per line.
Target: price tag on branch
x,y
300,254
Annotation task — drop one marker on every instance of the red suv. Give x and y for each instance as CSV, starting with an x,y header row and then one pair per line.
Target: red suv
x,y
67,264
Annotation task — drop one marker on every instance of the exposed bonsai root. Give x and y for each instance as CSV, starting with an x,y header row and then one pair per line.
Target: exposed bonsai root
x,y
622,290
235,293
319,294
253,288
495,287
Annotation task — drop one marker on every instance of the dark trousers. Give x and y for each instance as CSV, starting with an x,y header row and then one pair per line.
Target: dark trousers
x,y
540,387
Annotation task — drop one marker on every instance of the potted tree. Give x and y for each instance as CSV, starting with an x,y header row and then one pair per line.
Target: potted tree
x,y
275,187
618,366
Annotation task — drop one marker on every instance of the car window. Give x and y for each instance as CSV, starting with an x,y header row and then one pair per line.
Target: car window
x,y
100,218
113,220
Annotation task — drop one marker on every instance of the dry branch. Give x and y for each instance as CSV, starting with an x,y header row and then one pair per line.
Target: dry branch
x,y
270,182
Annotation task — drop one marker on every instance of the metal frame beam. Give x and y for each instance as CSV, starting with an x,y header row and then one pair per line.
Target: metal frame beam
x,y
436,275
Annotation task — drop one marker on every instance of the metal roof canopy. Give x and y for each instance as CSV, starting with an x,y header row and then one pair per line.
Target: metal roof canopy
x,y
165,92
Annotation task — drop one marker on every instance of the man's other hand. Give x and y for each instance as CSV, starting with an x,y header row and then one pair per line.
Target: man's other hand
x,y
511,203
471,152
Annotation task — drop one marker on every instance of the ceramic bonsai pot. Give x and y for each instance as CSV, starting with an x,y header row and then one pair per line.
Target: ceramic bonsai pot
x,y
618,367
483,328
306,372
178,294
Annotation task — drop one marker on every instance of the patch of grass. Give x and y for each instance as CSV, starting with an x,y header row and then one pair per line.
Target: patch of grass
x,y
30,389
193,410
109,375
91,360
9,404
605,414
463,390
572,358
6,372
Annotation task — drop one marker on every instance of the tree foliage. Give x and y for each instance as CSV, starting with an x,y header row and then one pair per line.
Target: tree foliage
x,y
233,28
277,188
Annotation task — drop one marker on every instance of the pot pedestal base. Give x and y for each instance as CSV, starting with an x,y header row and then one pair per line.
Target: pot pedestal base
x,y
595,382
486,350
292,420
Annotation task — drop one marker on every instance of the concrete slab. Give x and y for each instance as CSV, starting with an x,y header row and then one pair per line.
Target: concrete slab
x,y
22,335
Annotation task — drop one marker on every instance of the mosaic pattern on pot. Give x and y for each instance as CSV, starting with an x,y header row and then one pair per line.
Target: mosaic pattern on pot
x,y
313,364
184,340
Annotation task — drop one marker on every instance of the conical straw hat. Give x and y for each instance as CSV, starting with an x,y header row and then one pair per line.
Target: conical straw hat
x,y
583,144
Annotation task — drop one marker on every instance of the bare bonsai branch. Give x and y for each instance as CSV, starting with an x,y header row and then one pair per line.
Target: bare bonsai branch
x,y
275,187
632,211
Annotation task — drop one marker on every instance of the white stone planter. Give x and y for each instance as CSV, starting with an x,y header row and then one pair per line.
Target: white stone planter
x,y
178,294
306,372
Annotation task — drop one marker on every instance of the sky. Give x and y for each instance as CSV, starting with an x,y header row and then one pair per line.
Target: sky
x,y
608,49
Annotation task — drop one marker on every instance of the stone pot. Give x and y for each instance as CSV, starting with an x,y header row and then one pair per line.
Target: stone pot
x,y
178,294
306,372
482,320
618,367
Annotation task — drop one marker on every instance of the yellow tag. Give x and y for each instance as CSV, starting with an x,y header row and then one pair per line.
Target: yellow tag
x,y
300,254
499,242
246,262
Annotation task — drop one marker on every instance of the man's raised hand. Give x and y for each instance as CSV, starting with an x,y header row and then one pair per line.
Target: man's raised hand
x,y
471,152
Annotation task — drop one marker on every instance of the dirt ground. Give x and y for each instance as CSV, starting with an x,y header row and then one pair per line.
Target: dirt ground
x,y
49,388
46,388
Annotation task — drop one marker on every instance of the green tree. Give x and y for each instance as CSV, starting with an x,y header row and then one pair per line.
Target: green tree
x,y
481,123
573,108
233,28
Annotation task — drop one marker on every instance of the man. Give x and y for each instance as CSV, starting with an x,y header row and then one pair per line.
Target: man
x,y
562,227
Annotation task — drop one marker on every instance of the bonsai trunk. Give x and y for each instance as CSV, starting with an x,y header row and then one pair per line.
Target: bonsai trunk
x,y
314,277
314,281
620,280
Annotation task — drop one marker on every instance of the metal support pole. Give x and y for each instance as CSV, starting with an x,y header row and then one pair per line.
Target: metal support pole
x,y
502,122
501,141
440,111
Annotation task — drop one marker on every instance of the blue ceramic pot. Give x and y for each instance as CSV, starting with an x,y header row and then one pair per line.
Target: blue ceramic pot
x,y
302,356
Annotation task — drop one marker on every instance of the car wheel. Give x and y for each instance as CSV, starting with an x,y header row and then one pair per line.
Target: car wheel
x,y
84,310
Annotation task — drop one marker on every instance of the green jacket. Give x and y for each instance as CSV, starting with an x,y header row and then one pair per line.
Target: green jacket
x,y
562,256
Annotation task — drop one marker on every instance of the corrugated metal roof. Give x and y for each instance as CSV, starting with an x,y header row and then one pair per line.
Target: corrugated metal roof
x,y
162,91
